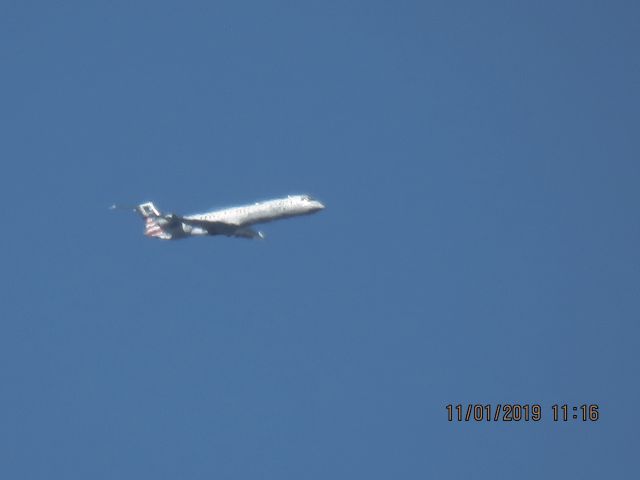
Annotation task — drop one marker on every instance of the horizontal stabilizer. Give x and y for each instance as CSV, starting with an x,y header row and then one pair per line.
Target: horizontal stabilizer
x,y
148,209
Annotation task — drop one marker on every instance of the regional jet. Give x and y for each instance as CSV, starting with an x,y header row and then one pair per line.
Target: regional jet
x,y
232,222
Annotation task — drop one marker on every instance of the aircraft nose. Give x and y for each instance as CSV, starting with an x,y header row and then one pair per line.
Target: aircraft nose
x,y
318,205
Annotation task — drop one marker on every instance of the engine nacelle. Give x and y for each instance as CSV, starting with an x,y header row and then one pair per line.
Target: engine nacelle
x,y
194,230
167,220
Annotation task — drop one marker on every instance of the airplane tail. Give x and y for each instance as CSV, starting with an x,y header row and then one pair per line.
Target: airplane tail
x,y
153,224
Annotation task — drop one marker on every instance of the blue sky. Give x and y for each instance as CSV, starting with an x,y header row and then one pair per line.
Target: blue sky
x,y
479,163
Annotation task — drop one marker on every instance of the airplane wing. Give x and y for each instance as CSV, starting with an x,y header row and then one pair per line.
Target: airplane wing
x,y
248,232
219,228
222,228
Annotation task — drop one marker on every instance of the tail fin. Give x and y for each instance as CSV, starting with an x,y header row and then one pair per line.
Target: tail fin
x,y
153,224
147,210
153,229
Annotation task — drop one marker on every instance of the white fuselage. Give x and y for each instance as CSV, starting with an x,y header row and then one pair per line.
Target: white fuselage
x,y
262,212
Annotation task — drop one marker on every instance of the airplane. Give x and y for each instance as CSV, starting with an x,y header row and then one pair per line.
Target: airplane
x,y
232,222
